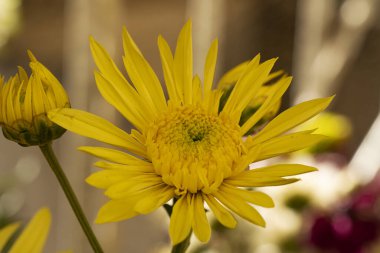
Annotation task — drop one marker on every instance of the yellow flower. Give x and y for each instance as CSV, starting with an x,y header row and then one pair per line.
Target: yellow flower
x,y
32,239
184,148
24,102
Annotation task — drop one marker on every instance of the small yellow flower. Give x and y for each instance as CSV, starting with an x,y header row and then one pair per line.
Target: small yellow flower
x,y
24,102
184,148
33,237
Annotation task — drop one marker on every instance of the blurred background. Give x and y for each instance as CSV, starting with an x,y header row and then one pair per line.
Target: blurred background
x,y
329,46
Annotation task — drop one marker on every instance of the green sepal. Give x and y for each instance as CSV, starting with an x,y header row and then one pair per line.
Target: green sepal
x,y
39,132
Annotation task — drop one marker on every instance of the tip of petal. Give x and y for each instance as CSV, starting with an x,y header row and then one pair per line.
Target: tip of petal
x,y
326,101
42,217
331,98
100,220
215,42
189,22
93,43
307,169
314,169
160,38
263,224
31,56
90,180
125,30
101,217
91,39
271,61
187,27
44,212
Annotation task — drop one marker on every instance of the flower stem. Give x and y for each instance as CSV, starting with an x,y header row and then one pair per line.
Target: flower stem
x,y
49,155
182,246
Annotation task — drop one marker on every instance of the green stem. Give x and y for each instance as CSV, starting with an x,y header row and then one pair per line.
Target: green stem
x,y
182,246
49,155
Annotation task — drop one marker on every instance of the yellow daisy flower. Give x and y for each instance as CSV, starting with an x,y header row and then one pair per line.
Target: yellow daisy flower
x,y
183,148
33,237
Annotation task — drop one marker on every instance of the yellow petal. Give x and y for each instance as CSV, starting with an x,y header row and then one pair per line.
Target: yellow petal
x,y
144,168
291,118
197,92
221,213
183,63
113,155
108,67
273,75
201,226
209,69
17,103
246,160
140,185
151,202
167,62
259,182
240,207
138,136
11,115
213,105
106,178
46,76
38,95
31,56
28,107
117,88
288,143
7,232
254,197
142,75
95,127
117,210
181,219
278,170
23,76
120,99
32,239
250,83
269,176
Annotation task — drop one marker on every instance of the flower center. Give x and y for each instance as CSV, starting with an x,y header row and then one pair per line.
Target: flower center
x,y
193,150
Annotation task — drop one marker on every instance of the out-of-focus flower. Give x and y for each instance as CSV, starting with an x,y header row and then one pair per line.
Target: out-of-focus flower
x,y
314,188
320,191
185,149
336,127
9,18
24,102
352,226
33,237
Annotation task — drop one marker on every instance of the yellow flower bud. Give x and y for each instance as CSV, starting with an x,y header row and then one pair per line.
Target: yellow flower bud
x,y
25,101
